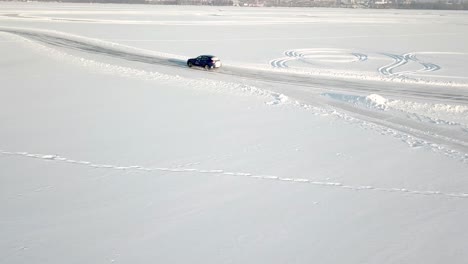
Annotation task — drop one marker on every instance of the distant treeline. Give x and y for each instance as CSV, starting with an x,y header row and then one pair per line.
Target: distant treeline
x,y
158,2
441,5
417,5
193,2
84,1
435,6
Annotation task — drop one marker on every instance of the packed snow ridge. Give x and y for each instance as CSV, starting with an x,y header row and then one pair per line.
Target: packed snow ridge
x,y
379,102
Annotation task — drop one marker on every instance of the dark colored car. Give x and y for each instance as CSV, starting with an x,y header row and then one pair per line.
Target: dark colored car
x,y
205,61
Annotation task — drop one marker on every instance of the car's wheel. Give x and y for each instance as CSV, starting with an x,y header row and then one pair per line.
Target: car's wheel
x,y
189,64
207,67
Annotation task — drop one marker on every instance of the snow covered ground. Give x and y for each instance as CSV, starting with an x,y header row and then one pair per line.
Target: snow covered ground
x,y
328,136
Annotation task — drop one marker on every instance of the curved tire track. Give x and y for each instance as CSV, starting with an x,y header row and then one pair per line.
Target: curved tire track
x,y
400,60
280,63
360,56
304,55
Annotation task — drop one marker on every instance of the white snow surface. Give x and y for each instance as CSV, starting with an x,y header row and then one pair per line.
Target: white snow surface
x,y
328,136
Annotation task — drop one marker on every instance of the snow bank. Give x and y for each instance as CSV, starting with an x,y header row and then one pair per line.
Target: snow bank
x,y
375,101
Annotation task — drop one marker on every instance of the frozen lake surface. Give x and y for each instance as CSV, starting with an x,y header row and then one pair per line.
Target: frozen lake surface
x,y
328,135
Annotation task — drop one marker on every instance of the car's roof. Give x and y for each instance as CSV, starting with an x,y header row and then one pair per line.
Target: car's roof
x,y
208,56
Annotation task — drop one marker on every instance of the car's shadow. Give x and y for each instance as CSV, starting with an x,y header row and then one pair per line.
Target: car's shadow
x,y
178,62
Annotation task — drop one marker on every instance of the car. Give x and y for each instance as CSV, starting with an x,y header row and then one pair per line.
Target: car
x,y
205,61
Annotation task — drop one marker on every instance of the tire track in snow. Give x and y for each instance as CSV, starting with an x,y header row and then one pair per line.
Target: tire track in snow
x,y
401,60
339,185
292,53
334,55
305,55
360,56
427,67
445,137
281,62
430,67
